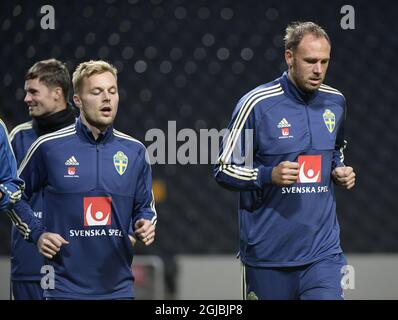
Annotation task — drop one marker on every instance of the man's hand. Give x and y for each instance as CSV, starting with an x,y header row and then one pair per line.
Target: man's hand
x,y
145,231
344,176
132,240
285,173
50,243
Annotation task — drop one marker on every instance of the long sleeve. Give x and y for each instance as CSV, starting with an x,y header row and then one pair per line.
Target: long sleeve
x,y
26,223
32,170
144,203
236,168
10,185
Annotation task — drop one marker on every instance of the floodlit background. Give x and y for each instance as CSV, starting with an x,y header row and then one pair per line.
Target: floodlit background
x,y
189,62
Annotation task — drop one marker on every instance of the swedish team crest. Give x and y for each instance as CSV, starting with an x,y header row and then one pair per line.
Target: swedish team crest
x,y
329,119
120,161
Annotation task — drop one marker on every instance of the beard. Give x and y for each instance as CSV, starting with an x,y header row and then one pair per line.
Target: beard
x,y
305,85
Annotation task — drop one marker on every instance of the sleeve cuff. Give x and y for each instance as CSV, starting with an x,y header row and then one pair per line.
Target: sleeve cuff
x,y
265,175
35,234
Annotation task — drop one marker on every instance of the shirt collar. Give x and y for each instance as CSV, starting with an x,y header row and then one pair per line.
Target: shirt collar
x,y
86,133
50,123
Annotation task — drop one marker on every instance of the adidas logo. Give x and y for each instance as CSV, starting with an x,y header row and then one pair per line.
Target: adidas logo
x,y
284,124
72,161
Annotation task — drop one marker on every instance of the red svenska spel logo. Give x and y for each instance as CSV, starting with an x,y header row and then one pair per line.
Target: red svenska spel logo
x,y
310,168
97,211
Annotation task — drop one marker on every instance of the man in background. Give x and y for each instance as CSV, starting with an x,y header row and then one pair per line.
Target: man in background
x,y
47,86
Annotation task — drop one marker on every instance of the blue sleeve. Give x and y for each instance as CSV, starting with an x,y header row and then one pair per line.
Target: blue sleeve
x,y
25,222
340,145
236,168
144,202
10,185
15,142
33,171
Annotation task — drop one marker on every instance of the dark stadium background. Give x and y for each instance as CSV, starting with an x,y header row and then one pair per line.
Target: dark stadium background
x,y
189,62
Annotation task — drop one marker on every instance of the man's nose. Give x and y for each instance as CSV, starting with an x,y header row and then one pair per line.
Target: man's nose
x,y
27,98
317,68
106,96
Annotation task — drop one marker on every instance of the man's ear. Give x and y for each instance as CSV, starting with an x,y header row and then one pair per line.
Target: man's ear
x,y
77,101
289,58
57,93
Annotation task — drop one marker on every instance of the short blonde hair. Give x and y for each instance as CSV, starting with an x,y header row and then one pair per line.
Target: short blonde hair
x,y
89,68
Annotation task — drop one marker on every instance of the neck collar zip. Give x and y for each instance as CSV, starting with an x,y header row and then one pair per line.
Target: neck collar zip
x,y
87,135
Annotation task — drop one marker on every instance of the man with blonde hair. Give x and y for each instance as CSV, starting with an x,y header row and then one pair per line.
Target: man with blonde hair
x,y
289,234
96,183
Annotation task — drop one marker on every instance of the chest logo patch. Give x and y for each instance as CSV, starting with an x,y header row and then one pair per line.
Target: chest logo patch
x,y
120,161
284,125
310,168
97,211
71,165
329,119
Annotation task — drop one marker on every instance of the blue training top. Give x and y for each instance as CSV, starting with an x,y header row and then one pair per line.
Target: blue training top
x,y
294,225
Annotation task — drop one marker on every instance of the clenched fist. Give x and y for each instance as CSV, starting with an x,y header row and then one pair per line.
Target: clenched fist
x,y
145,231
50,243
344,176
285,173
